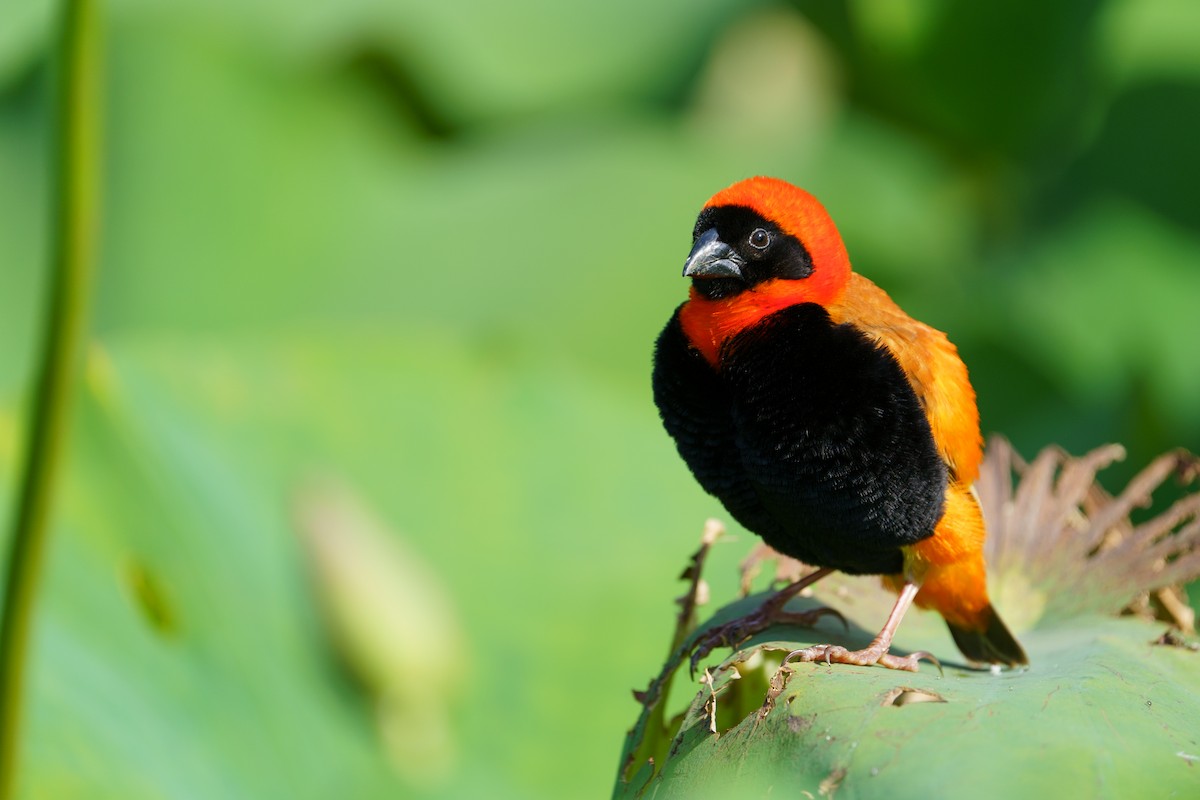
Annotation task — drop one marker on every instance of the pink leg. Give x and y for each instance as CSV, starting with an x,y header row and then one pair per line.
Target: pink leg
x,y
877,651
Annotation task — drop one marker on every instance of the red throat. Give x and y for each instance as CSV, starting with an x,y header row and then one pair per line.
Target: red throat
x,y
708,324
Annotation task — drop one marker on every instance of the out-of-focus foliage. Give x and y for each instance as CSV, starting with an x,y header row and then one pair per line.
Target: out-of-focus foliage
x,y
425,247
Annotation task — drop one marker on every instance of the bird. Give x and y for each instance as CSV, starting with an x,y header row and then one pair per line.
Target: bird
x,y
826,420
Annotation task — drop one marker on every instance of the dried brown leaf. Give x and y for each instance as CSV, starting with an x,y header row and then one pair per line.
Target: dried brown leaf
x,y
1072,547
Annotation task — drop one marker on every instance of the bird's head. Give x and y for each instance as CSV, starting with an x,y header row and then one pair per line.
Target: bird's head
x,y
766,235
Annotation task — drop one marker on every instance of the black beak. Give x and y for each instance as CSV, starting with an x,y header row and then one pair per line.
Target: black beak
x,y
712,258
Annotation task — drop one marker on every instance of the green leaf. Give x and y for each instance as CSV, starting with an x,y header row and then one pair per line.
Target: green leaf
x,y
1101,707
1102,699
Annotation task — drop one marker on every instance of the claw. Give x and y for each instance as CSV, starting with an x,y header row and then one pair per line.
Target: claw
x,y
835,654
874,654
931,658
877,651
733,633
771,612
737,631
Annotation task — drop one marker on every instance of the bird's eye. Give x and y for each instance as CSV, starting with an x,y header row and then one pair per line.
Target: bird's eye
x,y
760,239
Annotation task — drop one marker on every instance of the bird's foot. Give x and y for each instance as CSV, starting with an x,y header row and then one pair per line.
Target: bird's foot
x,y
876,653
734,632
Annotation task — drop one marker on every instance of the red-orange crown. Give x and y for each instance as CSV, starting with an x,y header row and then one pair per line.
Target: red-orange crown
x,y
798,213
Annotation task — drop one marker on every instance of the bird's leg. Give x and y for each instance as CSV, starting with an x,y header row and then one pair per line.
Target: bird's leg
x,y
877,651
771,612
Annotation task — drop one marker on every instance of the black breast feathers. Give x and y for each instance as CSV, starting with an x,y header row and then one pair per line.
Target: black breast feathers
x,y
810,435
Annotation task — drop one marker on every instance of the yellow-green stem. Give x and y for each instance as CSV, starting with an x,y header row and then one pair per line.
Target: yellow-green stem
x,y
73,230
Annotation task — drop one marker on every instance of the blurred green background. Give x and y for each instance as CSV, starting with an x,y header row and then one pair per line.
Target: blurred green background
x,y
422,250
